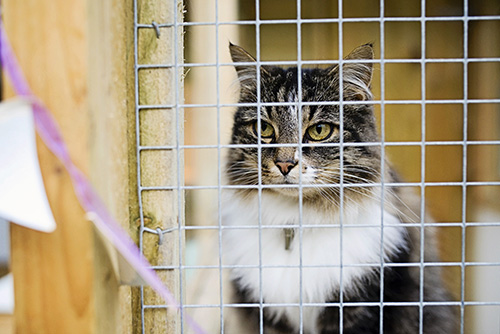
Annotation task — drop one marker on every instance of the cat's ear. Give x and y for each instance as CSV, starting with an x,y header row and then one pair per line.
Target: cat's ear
x,y
247,73
357,76
240,55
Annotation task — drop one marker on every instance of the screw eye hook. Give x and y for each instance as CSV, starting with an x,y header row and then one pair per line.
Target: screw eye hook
x,y
160,235
157,28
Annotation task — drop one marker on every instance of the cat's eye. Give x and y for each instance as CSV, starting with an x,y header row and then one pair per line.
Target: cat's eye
x,y
266,130
320,131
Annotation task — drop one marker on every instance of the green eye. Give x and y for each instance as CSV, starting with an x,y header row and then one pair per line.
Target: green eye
x,y
319,131
266,129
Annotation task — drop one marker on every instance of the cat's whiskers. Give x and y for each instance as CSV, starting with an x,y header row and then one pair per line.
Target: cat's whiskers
x,y
364,193
329,197
371,194
389,190
243,178
348,203
330,176
388,203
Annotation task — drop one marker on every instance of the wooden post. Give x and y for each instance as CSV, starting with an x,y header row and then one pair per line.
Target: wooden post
x,y
162,209
81,67
112,146
53,273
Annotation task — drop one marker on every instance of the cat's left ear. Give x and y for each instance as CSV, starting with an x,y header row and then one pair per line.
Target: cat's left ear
x,y
357,76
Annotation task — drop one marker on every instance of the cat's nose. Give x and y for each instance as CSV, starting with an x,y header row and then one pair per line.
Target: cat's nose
x,y
285,166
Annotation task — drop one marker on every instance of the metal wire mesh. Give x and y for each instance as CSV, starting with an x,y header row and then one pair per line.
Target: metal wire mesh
x,y
382,101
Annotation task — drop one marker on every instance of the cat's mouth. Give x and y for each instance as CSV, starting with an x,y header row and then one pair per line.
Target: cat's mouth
x,y
307,176
294,190
292,182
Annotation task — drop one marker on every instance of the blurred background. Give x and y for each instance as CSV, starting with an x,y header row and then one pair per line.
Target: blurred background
x,y
442,105
461,137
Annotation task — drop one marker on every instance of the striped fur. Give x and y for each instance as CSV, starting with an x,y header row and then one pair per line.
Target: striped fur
x,y
346,233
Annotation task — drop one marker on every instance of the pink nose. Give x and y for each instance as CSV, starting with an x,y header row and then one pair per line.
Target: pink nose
x,y
285,166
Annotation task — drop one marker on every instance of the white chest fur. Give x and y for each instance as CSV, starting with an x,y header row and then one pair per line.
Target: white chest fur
x,y
324,252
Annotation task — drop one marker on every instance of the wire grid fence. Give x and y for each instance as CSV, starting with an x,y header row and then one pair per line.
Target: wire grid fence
x,y
176,145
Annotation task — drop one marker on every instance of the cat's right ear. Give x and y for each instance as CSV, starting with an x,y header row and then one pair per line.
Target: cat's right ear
x,y
357,73
247,73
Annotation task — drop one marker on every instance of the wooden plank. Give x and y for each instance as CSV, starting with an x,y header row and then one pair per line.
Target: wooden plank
x,y
162,209
6,324
100,306
483,165
112,146
53,274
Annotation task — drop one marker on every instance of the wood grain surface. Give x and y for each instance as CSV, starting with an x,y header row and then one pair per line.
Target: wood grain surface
x,y
53,273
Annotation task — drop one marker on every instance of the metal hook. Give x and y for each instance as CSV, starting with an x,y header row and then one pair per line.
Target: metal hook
x,y
160,235
157,29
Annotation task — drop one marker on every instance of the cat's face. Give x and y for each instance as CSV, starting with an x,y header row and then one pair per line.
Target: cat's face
x,y
316,127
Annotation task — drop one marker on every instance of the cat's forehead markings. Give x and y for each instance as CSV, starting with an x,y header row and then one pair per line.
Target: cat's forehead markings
x,y
281,93
264,114
293,98
315,114
306,114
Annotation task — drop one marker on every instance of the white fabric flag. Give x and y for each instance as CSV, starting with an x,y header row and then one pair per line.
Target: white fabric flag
x,y
22,194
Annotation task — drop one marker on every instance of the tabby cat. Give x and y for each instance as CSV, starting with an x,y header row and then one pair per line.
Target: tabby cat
x,y
323,245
